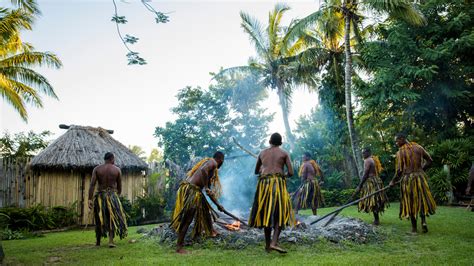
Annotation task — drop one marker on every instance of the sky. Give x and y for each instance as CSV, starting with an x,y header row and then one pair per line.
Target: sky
x,y
96,87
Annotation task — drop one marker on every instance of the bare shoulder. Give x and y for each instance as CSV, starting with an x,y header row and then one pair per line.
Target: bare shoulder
x,y
284,153
98,167
211,163
263,152
117,168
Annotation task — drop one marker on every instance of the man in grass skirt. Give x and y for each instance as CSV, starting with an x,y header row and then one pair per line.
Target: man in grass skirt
x,y
272,204
191,204
370,183
415,196
109,216
309,194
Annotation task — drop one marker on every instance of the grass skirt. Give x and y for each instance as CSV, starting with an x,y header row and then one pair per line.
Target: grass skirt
x,y
109,214
272,203
376,203
308,195
192,204
415,196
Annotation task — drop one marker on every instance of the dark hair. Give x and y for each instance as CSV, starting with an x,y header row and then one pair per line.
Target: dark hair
x,y
108,156
307,154
401,135
275,139
367,149
219,155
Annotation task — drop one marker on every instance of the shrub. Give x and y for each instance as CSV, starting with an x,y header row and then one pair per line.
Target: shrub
x,y
38,217
452,160
147,208
336,197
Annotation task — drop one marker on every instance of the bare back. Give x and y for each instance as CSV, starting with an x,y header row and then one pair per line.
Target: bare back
x,y
369,168
108,176
411,158
272,161
202,176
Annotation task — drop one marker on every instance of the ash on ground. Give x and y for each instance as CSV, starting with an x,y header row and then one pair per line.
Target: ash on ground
x,y
341,229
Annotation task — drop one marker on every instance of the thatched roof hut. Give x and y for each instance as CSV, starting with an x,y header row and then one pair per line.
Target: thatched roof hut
x,y
61,173
83,148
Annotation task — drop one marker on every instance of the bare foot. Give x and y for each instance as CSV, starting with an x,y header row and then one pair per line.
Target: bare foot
x,y
112,245
424,228
277,248
214,233
181,251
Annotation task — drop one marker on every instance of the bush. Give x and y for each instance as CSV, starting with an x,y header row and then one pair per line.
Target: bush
x,y
38,217
452,160
147,208
337,197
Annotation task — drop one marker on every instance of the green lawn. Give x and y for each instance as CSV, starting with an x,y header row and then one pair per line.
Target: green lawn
x,y
450,241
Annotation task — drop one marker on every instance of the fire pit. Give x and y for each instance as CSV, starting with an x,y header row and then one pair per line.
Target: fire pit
x,y
234,235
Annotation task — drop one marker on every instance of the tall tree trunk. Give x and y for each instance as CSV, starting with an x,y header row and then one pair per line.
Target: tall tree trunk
x,y
348,93
284,110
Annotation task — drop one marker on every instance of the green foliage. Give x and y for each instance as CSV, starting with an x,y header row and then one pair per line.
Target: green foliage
x,y
22,145
452,160
144,209
208,119
336,197
36,218
132,56
138,151
421,78
440,185
20,84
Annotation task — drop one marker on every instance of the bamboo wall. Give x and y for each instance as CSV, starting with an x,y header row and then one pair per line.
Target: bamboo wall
x,y
23,188
13,178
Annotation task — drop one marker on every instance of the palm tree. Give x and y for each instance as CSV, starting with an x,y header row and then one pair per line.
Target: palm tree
x,y
280,62
351,12
19,84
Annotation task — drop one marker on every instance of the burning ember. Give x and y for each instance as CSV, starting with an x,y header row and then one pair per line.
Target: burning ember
x,y
235,226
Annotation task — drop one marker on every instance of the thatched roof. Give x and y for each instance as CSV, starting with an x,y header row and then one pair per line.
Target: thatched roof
x,y
84,148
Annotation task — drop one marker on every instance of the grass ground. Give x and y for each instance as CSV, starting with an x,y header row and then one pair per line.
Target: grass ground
x,y
449,241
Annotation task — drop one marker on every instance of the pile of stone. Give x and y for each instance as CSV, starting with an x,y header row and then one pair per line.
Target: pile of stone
x,y
341,229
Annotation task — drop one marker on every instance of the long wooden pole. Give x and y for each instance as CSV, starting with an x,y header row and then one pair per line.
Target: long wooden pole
x,y
350,204
244,149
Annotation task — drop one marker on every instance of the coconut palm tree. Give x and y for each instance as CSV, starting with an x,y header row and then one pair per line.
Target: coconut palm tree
x,y
351,11
19,83
281,63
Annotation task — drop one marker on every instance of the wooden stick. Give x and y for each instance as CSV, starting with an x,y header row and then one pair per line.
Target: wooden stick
x,y
244,149
350,204
234,217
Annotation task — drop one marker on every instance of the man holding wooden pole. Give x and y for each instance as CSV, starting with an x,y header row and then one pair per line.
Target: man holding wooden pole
x,y
415,194
371,182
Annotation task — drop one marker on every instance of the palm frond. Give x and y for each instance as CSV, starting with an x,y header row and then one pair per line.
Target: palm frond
x,y
256,33
29,77
400,9
12,97
31,59
28,5
299,27
274,28
28,94
238,70
13,21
